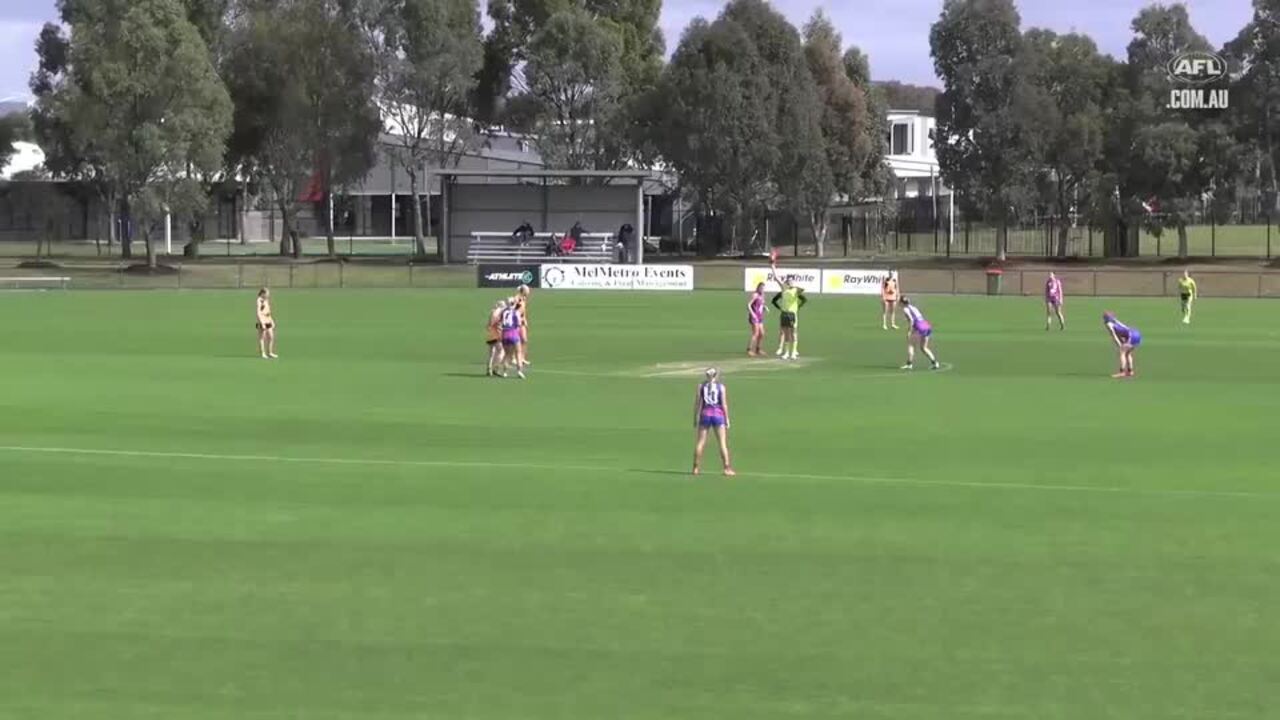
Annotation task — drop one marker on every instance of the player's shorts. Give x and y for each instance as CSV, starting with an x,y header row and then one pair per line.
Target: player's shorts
x,y
1135,338
511,337
753,321
268,326
922,330
1053,301
711,420
1186,298
789,320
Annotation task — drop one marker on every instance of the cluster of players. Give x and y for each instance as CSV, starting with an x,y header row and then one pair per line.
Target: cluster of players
x,y
790,298
507,335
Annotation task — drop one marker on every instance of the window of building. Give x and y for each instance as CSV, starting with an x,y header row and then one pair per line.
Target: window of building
x,y
901,139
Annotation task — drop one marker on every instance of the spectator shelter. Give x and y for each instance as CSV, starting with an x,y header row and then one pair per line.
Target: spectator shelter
x,y
488,205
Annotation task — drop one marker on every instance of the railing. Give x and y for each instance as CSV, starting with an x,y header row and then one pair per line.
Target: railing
x,y
1029,282
499,247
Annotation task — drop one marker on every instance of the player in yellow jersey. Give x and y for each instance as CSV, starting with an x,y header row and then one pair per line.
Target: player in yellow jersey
x,y
1188,292
789,301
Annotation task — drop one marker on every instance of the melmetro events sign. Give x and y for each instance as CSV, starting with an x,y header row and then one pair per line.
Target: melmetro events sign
x,y
617,277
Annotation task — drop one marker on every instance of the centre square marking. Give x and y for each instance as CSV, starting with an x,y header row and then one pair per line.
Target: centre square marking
x,y
734,366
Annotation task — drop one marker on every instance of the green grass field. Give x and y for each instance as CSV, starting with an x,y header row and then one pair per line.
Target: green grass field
x,y
369,529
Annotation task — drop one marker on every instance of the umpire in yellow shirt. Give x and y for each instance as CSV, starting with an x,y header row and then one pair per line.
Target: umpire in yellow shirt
x,y
1187,292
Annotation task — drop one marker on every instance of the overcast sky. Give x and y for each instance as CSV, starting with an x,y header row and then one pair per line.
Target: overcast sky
x,y
894,33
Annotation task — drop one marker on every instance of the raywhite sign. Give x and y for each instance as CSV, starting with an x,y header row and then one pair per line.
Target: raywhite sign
x,y
808,280
617,277
853,282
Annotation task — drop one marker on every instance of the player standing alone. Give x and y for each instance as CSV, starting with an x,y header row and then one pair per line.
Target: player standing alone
x,y
266,325
1127,339
1187,292
889,300
756,310
789,301
1053,298
711,412
919,333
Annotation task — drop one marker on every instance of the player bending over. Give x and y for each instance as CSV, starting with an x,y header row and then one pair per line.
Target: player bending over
x,y
1127,339
493,338
756,310
1187,292
711,412
1053,299
918,334
266,326
789,301
512,346
889,301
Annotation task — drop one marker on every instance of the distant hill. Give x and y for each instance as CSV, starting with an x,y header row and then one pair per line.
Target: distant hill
x,y
901,96
12,107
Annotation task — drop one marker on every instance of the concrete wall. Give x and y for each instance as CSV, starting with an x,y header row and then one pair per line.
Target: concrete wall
x,y
549,208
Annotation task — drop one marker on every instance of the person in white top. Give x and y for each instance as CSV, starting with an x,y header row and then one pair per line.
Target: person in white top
x,y
918,333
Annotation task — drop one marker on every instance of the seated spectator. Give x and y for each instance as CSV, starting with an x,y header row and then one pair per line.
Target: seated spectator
x,y
523,235
568,244
553,247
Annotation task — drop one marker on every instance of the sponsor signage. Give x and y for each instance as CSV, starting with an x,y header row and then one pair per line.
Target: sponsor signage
x,y
853,282
617,277
507,276
808,280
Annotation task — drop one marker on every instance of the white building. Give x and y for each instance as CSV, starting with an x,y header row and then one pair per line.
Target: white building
x,y
910,155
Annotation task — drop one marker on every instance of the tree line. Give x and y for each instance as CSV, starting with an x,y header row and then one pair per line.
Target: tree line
x,y
1041,122
155,104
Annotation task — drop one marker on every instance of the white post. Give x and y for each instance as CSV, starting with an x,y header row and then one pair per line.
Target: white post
x,y
393,216
951,216
639,221
168,234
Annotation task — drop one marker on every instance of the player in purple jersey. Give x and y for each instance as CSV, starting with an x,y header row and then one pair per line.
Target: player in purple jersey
x,y
756,310
511,323
918,333
1127,339
711,412
1053,300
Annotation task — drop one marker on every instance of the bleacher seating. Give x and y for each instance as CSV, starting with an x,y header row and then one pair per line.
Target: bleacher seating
x,y
499,248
